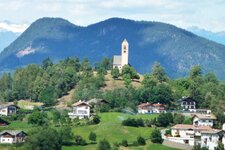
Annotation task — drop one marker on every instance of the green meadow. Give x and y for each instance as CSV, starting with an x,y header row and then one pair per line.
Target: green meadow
x,y
109,128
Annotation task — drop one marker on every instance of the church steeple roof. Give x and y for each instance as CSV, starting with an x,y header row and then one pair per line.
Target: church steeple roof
x,y
125,40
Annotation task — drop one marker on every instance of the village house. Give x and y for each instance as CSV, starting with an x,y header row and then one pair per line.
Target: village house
x,y
210,139
203,119
12,136
149,108
187,103
80,109
120,60
158,108
8,109
223,140
145,108
186,134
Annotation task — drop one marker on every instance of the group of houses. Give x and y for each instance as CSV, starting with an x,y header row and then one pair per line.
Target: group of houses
x,y
82,109
201,131
10,136
150,108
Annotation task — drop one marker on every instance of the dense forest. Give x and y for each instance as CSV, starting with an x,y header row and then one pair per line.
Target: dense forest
x,y
49,81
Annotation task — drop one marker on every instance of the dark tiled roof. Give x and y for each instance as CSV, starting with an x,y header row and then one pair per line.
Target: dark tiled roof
x,y
7,105
12,132
187,99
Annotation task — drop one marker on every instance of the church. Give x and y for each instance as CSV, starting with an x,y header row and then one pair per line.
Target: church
x,y
120,60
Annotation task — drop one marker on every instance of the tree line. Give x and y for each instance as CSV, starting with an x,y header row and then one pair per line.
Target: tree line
x,y
49,81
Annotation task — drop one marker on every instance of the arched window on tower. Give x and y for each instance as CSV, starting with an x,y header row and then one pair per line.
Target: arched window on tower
x,y
124,49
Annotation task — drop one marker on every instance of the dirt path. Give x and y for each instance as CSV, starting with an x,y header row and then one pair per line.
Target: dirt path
x,y
62,104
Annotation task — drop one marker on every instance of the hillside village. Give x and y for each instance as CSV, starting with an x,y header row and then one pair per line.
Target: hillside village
x,y
111,106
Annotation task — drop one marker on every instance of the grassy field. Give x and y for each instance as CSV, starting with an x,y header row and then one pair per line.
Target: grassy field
x,y
148,146
111,128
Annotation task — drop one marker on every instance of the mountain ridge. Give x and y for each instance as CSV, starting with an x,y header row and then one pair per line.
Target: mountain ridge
x,y
218,37
176,49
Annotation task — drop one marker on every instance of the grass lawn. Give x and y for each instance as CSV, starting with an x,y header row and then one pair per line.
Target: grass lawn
x,y
159,147
19,125
148,146
88,147
110,128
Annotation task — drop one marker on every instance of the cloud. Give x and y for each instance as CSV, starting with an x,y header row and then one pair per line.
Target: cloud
x,y
18,28
206,14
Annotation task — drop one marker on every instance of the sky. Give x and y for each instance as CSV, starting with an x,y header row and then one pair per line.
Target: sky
x,y
17,15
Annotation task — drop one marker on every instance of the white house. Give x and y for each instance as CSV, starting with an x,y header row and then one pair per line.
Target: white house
x,y
149,108
187,103
81,109
8,109
12,136
203,119
121,60
158,108
145,108
210,139
185,134
223,140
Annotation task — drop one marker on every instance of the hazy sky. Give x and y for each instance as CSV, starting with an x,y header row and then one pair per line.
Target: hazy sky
x,y
206,14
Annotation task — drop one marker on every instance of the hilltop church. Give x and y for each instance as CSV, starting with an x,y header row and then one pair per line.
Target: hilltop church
x,y
121,60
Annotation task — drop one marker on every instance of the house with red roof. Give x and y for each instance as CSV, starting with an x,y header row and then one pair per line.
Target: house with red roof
x,y
149,108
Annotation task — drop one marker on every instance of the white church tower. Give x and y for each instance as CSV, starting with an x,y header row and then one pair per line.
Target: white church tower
x,y
124,52
120,61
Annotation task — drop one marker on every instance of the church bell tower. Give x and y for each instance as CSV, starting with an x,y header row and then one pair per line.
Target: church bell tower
x,y
124,52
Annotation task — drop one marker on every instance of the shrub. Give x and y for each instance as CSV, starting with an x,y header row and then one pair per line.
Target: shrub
x,y
92,137
164,119
124,143
116,144
187,121
168,132
156,136
178,118
133,122
140,140
79,140
96,119
104,145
